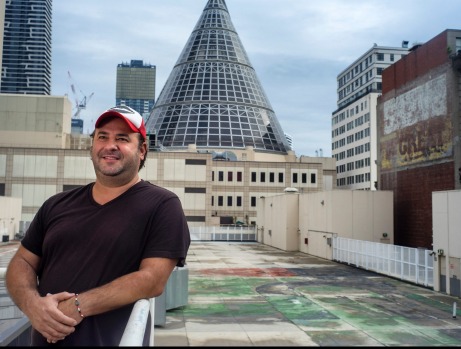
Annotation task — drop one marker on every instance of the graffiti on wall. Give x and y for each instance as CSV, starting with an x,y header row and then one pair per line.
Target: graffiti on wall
x,y
416,126
425,141
421,103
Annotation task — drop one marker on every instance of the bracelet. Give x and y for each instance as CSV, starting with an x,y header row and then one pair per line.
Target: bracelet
x,y
77,304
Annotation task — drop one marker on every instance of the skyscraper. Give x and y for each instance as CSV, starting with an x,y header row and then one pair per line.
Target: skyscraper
x,y
26,57
136,86
213,97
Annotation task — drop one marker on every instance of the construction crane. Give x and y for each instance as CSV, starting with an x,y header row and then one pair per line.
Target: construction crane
x,y
80,104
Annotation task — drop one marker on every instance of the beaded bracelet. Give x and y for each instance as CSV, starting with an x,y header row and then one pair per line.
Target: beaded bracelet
x,y
77,304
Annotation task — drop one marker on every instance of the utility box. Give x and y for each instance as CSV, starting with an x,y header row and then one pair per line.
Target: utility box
x,y
175,295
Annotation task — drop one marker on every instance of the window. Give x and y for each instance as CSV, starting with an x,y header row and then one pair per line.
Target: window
x,y
253,177
262,177
195,190
380,56
239,176
379,71
229,176
239,201
313,178
220,200
229,201
295,178
304,178
271,177
221,176
212,201
212,176
280,177
253,201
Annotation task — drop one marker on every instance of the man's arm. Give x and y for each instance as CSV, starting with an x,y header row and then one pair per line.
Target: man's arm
x,y
149,281
43,312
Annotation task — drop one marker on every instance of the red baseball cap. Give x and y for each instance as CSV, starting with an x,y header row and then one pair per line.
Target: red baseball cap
x,y
132,118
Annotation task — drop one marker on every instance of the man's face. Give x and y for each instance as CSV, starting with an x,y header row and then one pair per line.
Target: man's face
x,y
115,151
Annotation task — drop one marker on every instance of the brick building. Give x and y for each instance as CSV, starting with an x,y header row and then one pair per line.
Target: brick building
x,y
419,116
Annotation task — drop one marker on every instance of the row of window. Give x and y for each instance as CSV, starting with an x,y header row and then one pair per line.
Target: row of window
x,y
363,65
357,179
358,164
351,138
263,177
229,200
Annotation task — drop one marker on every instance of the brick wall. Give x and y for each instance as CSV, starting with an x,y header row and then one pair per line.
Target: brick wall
x,y
413,201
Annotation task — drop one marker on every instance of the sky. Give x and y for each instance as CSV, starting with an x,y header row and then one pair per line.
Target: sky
x,y
297,48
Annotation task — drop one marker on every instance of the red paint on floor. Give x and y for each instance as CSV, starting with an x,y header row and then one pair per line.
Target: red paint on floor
x,y
249,272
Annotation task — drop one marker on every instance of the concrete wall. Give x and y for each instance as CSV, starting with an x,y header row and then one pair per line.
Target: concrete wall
x,y
447,241
354,214
279,227
35,121
10,216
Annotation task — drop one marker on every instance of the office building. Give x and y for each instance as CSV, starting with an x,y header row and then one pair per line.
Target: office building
x,y
419,134
26,54
354,124
136,86
213,98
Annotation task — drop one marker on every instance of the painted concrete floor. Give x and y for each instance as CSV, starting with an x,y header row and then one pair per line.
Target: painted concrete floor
x,y
248,294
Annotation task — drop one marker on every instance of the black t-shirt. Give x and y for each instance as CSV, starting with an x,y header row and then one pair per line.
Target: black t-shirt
x,y
83,245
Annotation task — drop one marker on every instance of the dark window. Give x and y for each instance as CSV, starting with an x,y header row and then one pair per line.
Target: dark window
x,y
229,201
304,178
313,178
2,189
195,162
212,201
239,201
221,176
229,176
295,178
220,200
67,187
212,176
280,177
195,218
195,190
272,177
239,176
253,177
253,201
263,177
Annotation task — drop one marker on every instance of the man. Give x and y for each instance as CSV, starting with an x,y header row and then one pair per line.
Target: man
x,y
90,253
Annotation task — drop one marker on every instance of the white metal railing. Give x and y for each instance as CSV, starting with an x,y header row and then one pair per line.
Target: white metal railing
x,y
223,233
135,329
406,263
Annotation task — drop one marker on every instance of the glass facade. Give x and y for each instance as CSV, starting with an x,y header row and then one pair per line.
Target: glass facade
x,y
26,59
213,97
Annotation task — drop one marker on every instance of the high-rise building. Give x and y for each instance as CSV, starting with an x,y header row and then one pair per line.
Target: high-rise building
x,y
354,123
213,98
26,54
136,86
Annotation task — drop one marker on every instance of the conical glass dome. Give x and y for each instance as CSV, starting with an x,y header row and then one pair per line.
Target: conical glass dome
x,y
213,98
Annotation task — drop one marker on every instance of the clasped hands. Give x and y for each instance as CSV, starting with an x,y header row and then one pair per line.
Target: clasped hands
x,y
54,316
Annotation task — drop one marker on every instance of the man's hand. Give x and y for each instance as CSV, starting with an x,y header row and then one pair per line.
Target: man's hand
x,y
47,319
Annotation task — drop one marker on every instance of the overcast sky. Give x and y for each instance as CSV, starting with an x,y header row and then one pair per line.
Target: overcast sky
x,y
297,47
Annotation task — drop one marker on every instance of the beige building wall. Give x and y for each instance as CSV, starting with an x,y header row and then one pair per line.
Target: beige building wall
x,y
446,221
315,218
278,225
35,121
10,216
